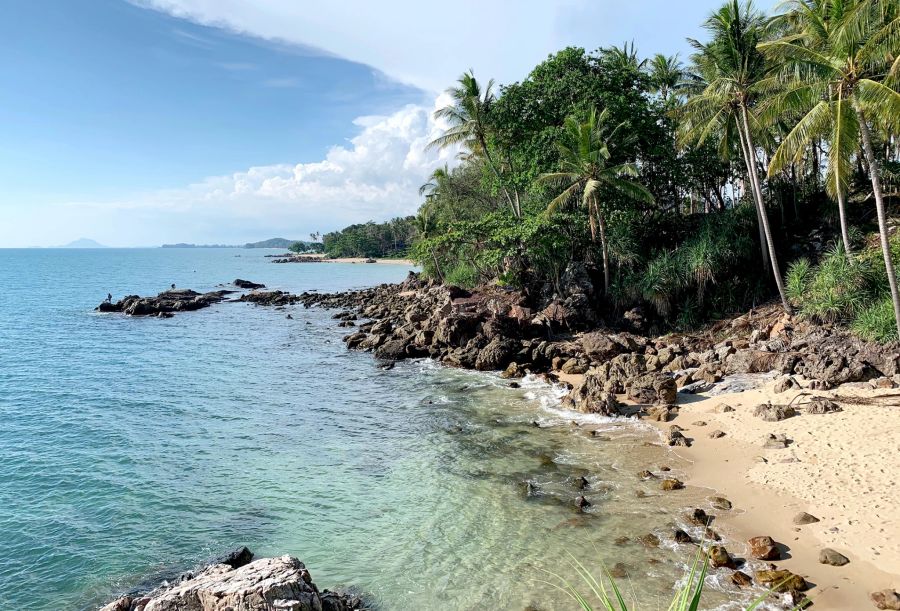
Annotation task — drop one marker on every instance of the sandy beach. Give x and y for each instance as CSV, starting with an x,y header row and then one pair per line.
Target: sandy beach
x,y
323,259
840,467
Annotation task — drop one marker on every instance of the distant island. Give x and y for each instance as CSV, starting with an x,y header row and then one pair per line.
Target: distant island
x,y
84,243
270,243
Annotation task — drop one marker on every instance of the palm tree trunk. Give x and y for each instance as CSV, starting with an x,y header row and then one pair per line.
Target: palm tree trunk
x,y
842,215
757,202
764,216
490,162
882,217
437,266
605,248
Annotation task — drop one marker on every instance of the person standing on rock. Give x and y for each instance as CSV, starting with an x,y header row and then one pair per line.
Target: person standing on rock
x,y
109,298
173,286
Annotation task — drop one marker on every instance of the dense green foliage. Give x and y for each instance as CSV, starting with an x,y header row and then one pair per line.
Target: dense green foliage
x,y
383,240
651,174
303,247
853,292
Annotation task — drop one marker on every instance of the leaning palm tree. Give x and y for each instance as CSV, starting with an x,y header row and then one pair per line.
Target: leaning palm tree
x,y
733,68
840,70
468,117
585,170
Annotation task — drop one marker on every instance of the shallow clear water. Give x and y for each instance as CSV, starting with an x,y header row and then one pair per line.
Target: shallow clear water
x,y
133,447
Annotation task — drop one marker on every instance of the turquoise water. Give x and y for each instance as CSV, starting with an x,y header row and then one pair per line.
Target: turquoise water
x,y
130,448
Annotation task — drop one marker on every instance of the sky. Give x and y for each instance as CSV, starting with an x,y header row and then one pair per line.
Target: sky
x,y
142,122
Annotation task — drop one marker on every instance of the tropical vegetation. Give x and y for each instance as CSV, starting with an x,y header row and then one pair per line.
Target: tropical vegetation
x,y
684,188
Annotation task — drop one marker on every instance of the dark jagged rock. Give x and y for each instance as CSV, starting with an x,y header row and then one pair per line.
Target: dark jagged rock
x,y
270,298
167,302
247,284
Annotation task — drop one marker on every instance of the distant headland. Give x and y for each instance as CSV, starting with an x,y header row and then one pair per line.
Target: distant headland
x,y
270,243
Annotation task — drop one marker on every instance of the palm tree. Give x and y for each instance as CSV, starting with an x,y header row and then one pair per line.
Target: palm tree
x,y
585,169
733,68
667,75
436,184
423,224
468,117
839,70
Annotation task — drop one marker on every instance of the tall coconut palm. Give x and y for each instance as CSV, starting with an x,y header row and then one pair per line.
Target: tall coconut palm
x,y
842,78
585,170
667,75
436,184
469,120
733,68
824,113
424,226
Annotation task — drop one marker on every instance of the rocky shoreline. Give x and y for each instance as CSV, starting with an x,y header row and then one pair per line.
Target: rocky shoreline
x,y
620,372
237,582
623,373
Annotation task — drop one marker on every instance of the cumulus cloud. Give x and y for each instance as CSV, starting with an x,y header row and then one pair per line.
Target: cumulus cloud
x,y
375,175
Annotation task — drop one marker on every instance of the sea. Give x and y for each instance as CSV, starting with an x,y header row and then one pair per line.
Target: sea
x,y
132,449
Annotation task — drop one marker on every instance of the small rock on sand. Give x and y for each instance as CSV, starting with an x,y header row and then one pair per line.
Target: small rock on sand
x,y
886,599
764,548
720,502
804,518
717,434
775,442
774,413
832,557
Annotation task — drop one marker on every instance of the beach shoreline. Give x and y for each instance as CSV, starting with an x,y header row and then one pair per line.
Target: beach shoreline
x,y
319,258
768,488
830,467
803,477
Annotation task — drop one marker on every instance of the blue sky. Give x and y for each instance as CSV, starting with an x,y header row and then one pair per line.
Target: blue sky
x,y
149,121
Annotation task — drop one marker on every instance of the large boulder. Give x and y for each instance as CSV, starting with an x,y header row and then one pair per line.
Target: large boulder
x,y
496,355
757,361
590,397
652,388
263,585
599,346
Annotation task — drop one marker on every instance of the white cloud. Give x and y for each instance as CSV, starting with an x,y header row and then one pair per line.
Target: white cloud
x,y
374,176
428,44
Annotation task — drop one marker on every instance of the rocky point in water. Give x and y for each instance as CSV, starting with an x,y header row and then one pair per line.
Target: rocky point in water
x,y
165,304
236,582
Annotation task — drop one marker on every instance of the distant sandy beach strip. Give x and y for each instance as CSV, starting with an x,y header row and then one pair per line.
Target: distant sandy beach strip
x,y
322,259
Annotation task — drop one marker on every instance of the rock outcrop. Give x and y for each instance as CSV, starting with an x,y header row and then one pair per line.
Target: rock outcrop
x,y
263,585
165,304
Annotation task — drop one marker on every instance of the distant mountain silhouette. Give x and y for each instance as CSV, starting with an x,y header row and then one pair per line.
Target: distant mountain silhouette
x,y
84,243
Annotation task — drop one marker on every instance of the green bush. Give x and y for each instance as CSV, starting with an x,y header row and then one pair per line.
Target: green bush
x,y
462,274
834,291
875,322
